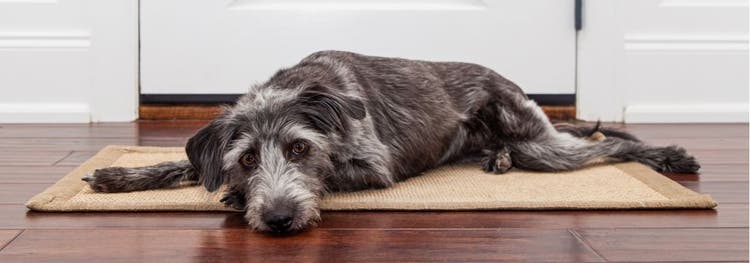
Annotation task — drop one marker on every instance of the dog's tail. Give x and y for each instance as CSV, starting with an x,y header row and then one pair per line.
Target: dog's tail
x,y
561,151
585,131
162,175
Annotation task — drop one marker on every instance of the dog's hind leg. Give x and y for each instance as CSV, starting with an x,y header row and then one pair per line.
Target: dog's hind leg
x,y
560,152
505,114
162,175
497,159
535,144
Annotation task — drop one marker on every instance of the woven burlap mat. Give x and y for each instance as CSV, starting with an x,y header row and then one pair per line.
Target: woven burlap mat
x,y
466,187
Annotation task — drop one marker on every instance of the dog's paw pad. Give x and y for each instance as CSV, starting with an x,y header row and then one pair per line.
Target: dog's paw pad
x,y
498,162
502,165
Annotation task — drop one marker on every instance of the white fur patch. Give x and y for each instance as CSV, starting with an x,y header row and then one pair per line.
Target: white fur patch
x,y
539,113
263,97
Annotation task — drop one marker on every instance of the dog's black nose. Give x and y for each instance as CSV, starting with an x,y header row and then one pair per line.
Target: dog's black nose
x,y
279,222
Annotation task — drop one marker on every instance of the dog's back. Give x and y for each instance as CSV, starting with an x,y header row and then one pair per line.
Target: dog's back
x,y
424,112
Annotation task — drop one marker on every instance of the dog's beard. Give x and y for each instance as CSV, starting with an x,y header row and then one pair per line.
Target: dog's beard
x,y
300,198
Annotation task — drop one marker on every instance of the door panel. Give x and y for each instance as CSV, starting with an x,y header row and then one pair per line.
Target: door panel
x,y
664,61
68,61
222,47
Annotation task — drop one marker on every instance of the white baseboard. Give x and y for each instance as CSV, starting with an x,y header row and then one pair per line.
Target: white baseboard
x,y
687,113
44,113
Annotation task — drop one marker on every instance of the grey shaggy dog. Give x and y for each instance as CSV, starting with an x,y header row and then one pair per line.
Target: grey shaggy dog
x,y
340,121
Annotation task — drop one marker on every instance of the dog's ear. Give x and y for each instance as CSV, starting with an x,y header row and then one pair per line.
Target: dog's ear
x,y
205,150
330,111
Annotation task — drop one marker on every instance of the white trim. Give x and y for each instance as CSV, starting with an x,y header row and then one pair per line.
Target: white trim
x,y
681,113
691,42
44,112
45,40
337,5
704,3
28,1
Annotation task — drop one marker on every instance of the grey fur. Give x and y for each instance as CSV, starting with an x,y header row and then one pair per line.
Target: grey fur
x,y
370,122
121,179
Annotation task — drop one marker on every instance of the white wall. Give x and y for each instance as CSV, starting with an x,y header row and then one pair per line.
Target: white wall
x,y
68,61
663,61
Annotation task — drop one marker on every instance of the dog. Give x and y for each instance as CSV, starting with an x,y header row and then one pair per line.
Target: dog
x,y
341,121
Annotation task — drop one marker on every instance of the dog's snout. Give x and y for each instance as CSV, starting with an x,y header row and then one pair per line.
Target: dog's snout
x,y
279,222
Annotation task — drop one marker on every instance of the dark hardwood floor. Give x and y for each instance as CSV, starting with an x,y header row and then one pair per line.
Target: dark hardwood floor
x,y
33,157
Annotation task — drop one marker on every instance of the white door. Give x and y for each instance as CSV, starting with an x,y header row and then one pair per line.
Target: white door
x,y
68,61
663,61
223,46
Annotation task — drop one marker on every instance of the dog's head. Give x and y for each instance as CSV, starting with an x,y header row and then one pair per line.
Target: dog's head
x,y
276,144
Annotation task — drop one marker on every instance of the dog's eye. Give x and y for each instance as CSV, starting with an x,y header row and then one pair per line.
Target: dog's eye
x,y
299,149
248,159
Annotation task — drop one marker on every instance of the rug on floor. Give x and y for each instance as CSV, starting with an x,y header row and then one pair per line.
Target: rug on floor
x,y
461,187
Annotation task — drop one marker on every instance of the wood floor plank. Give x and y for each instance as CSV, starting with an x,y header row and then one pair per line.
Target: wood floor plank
x,y
163,142
55,130
700,143
721,156
179,112
19,193
76,158
61,144
712,130
32,158
726,215
169,129
316,245
669,244
6,236
722,192
32,174
724,172
20,217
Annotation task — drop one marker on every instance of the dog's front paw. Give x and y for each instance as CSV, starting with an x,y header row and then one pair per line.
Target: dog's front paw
x,y
109,180
497,162
234,199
